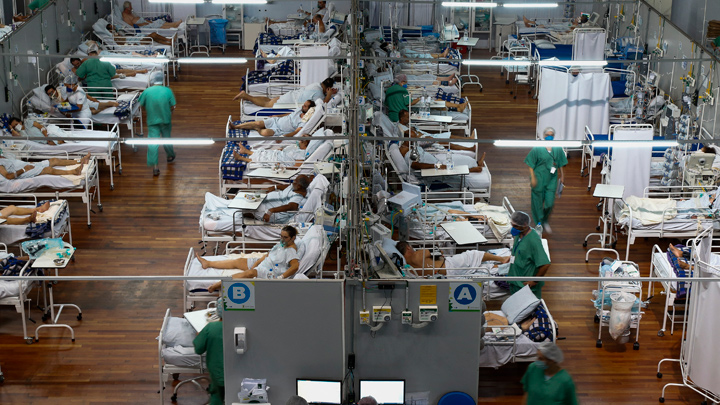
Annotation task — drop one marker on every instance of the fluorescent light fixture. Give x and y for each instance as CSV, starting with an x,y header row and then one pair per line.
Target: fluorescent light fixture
x,y
468,4
168,141
139,59
530,5
635,144
239,1
496,62
178,1
212,61
573,63
529,143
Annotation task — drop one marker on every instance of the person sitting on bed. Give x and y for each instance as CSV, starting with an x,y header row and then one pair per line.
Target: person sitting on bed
x,y
415,133
20,216
456,265
427,160
323,90
87,105
281,125
30,129
11,168
133,20
281,201
291,155
283,259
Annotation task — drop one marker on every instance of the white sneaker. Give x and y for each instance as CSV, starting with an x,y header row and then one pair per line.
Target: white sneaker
x,y
547,229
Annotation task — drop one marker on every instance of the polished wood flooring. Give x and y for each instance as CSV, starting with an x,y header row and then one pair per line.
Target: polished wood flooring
x,y
149,223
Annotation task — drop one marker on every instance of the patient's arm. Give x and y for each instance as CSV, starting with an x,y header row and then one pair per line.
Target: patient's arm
x,y
466,214
495,258
283,208
14,175
294,266
420,166
293,133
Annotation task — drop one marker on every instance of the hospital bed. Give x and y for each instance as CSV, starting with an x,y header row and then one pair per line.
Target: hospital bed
x,y
505,344
74,147
273,82
661,267
438,68
15,293
176,354
55,223
219,223
38,100
662,214
313,248
140,81
86,185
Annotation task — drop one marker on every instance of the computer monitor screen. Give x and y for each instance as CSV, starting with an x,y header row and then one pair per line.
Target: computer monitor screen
x,y
320,392
386,392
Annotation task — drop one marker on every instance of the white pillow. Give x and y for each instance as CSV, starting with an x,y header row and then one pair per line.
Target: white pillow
x,y
313,242
179,332
100,28
544,44
520,305
307,211
398,159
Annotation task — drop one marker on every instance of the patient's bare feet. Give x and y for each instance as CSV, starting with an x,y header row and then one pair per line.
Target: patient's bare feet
x,y
32,217
240,158
240,95
445,52
78,170
43,207
463,106
85,159
675,251
204,263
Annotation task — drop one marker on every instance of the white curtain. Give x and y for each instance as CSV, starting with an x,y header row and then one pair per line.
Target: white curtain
x,y
313,70
387,13
589,45
421,14
568,103
703,328
630,167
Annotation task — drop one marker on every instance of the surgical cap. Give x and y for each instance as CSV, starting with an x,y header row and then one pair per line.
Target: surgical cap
x,y
296,400
367,401
551,352
219,308
548,129
520,218
70,79
157,78
92,48
400,78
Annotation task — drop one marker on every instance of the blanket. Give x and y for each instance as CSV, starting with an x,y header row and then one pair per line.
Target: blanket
x,y
76,179
649,211
497,218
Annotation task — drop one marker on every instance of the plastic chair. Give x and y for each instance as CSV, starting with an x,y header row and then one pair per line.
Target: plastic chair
x,y
456,398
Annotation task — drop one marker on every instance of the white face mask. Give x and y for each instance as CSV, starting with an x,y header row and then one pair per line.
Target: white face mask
x,y
18,127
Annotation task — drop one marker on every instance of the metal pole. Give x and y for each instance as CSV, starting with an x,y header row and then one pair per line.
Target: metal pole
x,y
354,162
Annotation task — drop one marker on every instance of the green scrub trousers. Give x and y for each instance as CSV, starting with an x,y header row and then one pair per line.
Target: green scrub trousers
x,y
558,390
210,341
158,102
543,194
528,254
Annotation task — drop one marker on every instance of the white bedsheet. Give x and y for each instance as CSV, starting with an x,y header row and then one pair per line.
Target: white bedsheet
x,y
74,146
498,219
137,82
107,116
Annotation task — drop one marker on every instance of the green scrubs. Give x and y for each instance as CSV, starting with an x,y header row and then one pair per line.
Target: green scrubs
x,y
558,390
210,341
528,255
717,41
158,101
97,74
543,194
397,99
38,4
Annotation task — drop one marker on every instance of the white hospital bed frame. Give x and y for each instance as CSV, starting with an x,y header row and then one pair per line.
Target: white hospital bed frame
x,y
19,301
24,199
661,267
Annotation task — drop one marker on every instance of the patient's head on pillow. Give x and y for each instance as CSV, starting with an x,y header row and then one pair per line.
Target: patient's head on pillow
x,y
307,106
404,248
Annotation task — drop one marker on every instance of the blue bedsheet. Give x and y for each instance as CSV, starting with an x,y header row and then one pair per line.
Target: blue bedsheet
x,y
561,51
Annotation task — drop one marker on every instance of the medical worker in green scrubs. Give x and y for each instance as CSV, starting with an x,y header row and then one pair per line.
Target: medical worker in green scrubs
x,y
210,341
36,5
397,98
528,256
159,103
545,382
546,169
96,73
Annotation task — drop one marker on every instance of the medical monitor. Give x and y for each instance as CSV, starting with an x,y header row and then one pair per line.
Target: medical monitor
x,y
385,392
701,161
319,391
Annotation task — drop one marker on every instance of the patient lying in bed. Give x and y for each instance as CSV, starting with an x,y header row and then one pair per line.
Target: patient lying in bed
x,y
291,155
432,138
461,264
14,215
281,262
11,168
281,125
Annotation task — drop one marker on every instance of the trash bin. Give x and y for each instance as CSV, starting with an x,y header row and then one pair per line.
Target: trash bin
x,y
217,31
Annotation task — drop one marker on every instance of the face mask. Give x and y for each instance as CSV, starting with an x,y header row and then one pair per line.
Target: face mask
x,y
18,127
541,365
405,86
282,244
69,89
549,137
515,232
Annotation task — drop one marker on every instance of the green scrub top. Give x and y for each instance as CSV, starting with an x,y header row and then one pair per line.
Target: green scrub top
x,y
541,161
210,340
717,41
158,101
558,390
397,99
38,4
96,74
529,255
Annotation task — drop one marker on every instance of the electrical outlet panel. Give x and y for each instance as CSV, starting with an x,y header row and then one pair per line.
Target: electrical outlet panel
x,y
382,313
364,317
407,318
428,313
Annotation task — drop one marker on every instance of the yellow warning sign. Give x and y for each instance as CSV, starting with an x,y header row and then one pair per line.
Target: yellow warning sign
x,y
428,295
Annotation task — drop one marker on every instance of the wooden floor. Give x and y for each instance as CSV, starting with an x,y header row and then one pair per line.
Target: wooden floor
x,y
149,223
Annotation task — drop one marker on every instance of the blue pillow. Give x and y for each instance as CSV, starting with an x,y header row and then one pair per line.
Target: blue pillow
x,y
388,246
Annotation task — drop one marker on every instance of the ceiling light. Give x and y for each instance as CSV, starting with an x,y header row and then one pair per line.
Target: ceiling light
x,y
468,4
168,141
530,5
497,62
212,61
528,143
